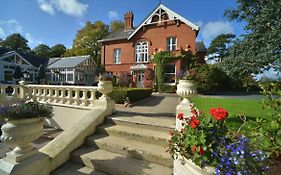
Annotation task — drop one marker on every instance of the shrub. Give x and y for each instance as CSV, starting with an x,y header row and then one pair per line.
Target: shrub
x,y
148,78
134,94
124,79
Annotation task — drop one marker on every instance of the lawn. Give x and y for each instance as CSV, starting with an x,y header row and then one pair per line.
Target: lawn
x,y
252,108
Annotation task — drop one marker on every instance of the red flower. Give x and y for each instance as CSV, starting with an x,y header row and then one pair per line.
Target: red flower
x,y
171,133
201,150
194,148
180,116
194,122
219,113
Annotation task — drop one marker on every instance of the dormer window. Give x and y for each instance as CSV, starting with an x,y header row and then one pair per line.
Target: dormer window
x,y
141,50
171,43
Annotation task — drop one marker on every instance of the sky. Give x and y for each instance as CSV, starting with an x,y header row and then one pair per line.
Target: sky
x,y
57,21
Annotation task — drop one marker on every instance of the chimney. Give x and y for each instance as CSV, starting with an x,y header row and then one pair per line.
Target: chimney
x,y
128,20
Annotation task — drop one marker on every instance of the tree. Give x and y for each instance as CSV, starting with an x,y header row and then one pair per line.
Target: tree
x,y
116,25
41,77
219,47
57,50
42,50
16,42
86,41
259,49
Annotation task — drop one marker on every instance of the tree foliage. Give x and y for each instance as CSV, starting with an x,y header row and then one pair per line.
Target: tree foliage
x,y
42,50
57,50
260,48
219,47
116,25
86,40
18,73
16,42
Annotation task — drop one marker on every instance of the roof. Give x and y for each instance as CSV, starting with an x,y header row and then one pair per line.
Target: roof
x,y
68,62
53,60
121,34
172,16
34,60
200,46
118,35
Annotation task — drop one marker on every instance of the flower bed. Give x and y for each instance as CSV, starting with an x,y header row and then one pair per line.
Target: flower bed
x,y
207,141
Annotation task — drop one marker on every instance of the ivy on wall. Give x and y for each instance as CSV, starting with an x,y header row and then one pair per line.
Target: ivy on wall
x,y
164,57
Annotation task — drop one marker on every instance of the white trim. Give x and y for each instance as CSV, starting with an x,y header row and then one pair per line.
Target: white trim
x,y
12,53
172,15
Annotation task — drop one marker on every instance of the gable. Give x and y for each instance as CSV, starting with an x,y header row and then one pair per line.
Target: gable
x,y
163,14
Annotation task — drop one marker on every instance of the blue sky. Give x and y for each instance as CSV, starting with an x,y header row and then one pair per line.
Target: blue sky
x,y
57,21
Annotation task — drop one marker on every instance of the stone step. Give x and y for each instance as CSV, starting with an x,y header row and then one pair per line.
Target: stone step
x,y
134,133
139,150
71,168
156,123
116,164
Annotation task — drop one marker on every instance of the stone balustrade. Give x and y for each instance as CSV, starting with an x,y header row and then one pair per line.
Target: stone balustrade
x,y
11,90
74,96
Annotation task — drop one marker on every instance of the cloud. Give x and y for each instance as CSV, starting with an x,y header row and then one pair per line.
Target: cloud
x,y
113,15
46,7
69,7
2,33
31,40
215,28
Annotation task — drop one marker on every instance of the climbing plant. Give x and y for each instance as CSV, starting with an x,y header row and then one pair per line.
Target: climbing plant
x,y
164,57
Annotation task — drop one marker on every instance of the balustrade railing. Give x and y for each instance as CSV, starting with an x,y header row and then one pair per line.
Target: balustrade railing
x,y
10,90
80,96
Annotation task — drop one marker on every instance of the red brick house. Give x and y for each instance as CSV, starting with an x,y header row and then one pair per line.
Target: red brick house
x,y
130,50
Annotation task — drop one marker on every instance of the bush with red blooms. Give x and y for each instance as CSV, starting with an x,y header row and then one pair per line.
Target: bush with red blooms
x,y
199,135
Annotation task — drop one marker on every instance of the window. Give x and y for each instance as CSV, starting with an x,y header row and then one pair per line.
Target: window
x,y
170,73
141,52
8,75
69,77
117,56
171,43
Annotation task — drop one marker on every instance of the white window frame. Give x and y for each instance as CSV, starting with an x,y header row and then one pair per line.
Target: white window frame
x,y
117,56
170,45
141,52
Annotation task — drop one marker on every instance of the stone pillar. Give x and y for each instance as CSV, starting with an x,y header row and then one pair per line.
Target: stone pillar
x,y
23,91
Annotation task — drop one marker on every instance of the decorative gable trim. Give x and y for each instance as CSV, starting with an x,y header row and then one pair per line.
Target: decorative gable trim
x,y
159,12
12,53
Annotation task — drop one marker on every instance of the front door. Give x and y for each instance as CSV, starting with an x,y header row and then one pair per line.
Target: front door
x,y
140,79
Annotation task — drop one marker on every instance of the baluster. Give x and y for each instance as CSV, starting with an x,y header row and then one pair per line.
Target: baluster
x,y
15,93
84,98
45,94
56,96
93,97
62,96
69,96
77,100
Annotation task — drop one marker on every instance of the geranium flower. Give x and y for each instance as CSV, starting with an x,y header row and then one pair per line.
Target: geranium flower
x,y
219,113
201,150
194,122
194,148
180,116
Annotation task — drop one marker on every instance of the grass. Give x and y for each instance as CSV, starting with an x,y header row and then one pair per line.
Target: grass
x,y
252,108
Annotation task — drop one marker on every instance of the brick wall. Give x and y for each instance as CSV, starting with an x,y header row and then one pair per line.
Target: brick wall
x,y
156,36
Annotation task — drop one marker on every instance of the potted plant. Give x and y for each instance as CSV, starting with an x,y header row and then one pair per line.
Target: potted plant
x,y
204,141
24,124
105,84
187,83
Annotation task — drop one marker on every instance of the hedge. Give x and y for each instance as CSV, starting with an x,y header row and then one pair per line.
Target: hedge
x,y
134,94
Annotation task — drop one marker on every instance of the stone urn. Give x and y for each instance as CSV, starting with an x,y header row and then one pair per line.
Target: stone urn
x,y
186,89
20,133
105,87
184,166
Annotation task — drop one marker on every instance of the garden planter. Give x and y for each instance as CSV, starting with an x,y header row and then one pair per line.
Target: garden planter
x,y
186,89
105,87
183,166
21,133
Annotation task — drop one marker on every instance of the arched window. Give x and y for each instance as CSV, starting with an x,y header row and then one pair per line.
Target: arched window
x,y
141,50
